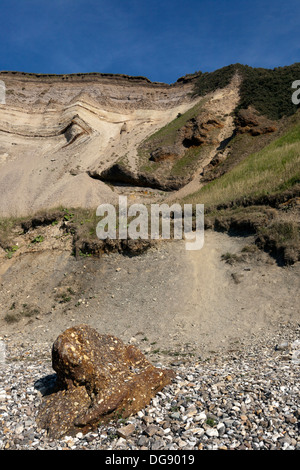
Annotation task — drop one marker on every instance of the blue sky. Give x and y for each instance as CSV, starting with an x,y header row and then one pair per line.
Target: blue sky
x,y
162,40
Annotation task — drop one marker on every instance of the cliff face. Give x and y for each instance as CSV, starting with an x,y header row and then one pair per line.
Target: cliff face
x,y
54,130
111,92
81,140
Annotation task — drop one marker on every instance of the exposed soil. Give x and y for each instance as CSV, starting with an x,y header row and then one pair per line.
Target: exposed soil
x,y
173,303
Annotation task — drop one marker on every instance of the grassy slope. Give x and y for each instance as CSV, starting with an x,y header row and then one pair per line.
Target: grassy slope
x,y
166,136
274,169
268,90
239,201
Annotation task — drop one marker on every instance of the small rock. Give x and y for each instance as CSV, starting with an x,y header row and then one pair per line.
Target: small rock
x,y
143,441
201,416
212,432
283,346
160,444
151,430
19,429
191,411
198,431
126,431
221,429
121,441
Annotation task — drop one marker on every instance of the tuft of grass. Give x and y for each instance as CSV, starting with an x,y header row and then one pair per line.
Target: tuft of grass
x,y
10,251
249,249
211,422
11,318
230,258
68,214
15,315
38,239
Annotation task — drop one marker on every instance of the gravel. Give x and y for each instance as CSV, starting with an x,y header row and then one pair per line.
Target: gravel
x,y
246,399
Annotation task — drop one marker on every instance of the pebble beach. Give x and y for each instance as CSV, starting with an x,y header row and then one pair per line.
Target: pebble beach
x,y
242,400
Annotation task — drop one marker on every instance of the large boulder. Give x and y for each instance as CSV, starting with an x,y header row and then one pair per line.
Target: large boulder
x,y
99,379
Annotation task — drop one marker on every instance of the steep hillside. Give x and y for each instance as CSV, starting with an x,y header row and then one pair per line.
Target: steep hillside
x,y
267,90
69,143
260,195
76,141
69,140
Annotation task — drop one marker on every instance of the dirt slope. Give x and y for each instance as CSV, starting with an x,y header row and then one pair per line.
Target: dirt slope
x,y
173,303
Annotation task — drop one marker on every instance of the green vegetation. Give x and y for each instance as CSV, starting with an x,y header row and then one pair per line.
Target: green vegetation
x,y
81,221
84,219
167,136
211,422
212,81
11,318
282,238
188,162
269,171
64,297
38,239
25,311
253,197
11,251
269,91
7,227
230,258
